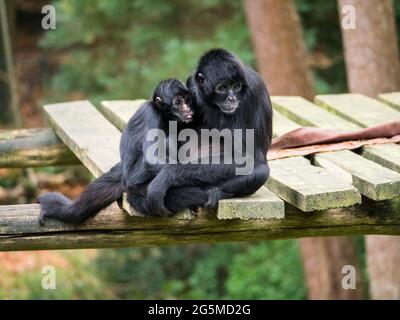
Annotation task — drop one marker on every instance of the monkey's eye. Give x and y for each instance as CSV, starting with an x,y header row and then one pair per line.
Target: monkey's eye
x,y
222,88
237,86
178,102
200,78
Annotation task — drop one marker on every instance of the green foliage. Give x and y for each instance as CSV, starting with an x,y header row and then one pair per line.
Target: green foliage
x,y
269,270
121,49
262,270
149,273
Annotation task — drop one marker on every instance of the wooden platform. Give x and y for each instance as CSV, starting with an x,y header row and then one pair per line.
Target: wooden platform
x,y
335,193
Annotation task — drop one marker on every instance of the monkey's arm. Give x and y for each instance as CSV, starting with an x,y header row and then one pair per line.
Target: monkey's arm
x,y
238,186
179,175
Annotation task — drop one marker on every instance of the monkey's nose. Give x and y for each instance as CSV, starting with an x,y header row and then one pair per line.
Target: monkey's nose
x,y
231,99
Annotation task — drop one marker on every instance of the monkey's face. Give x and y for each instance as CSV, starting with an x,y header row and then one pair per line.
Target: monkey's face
x,y
227,95
224,93
180,108
173,100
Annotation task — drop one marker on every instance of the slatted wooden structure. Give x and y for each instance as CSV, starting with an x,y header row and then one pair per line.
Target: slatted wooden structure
x,y
335,193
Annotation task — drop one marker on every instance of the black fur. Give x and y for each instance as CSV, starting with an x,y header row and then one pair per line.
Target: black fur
x,y
133,173
253,112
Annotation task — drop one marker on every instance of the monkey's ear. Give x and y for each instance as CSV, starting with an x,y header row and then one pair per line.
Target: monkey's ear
x,y
158,101
200,78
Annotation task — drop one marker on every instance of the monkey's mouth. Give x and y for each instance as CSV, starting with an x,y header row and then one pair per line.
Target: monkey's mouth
x,y
187,115
228,108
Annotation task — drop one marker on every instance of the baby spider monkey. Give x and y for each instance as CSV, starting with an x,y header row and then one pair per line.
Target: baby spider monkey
x,y
170,102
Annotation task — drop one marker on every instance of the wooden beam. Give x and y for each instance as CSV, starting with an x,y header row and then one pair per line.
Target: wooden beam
x,y
19,229
33,148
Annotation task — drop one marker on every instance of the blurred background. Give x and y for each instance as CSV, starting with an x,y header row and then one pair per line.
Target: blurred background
x,y
119,50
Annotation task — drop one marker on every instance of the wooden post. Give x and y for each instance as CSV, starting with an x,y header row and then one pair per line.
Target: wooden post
x,y
12,81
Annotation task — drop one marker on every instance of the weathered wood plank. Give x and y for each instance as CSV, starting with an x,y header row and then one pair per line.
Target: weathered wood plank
x,y
370,178
387,155
392,99
306,113
92,138
365,112
359,109
33,148
119,112
303,185
282,125
262,205
252,207
112,228
308,187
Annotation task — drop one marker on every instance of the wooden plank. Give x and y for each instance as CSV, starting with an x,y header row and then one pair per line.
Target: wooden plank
x,y
119,112
112,228
392,99
359,109
370,178
33,148
387,155
281,124
308,187
262,205
90,136
306,113
252,207
365,112
303,185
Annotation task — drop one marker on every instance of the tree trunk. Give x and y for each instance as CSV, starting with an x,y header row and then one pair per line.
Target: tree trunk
x,y
278,44
281,56
373,67
324,259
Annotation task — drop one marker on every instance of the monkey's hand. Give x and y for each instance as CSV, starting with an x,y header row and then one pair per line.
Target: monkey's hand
x,y
51,204
155,196
214,195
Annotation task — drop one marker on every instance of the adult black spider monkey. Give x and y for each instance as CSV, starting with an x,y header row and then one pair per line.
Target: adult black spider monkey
x,y
170,102
229,95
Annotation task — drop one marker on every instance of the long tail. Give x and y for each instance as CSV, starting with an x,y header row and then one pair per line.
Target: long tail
x,y
97,195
